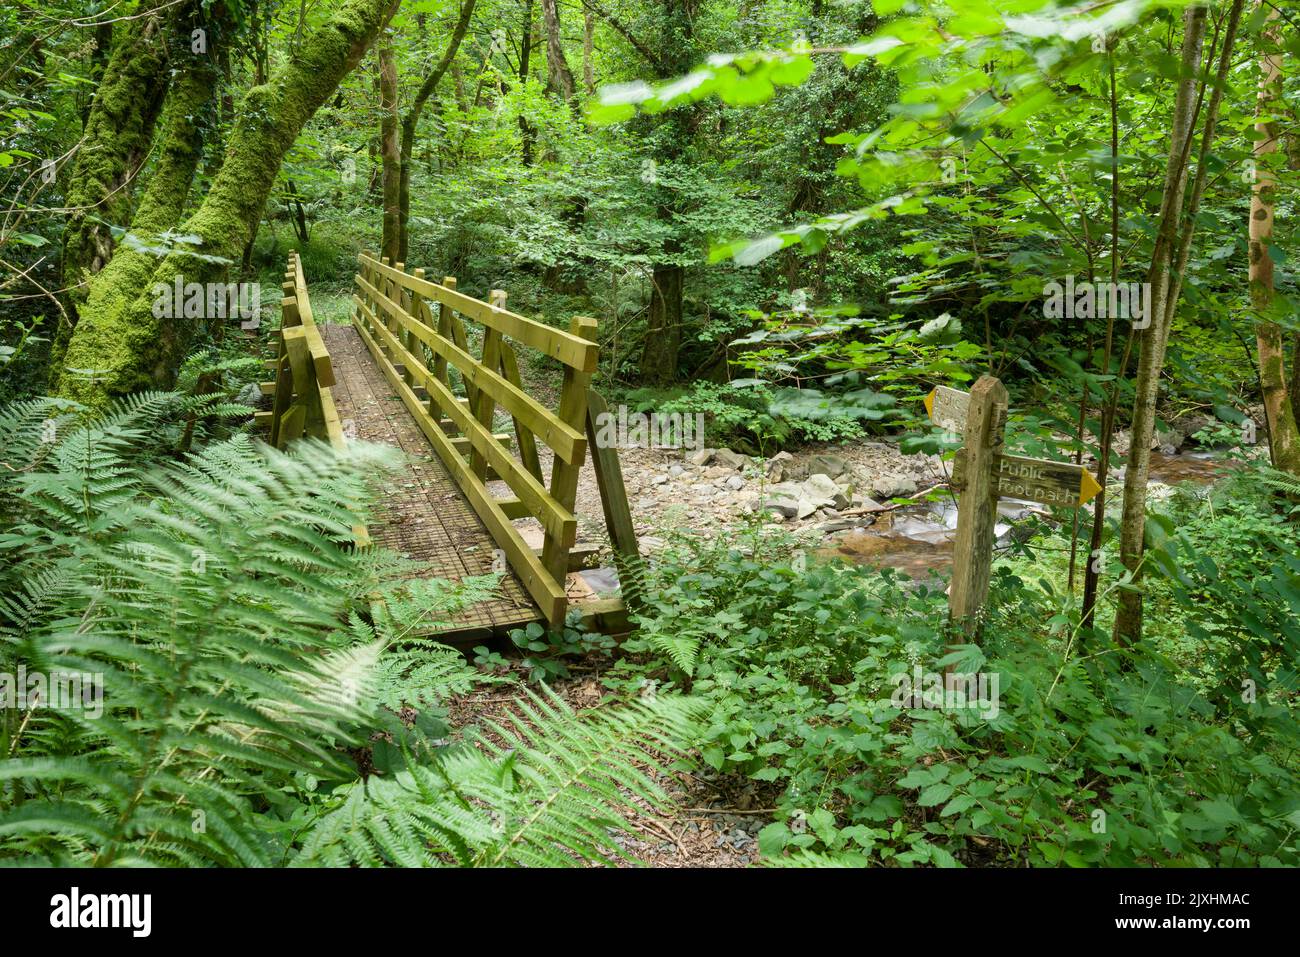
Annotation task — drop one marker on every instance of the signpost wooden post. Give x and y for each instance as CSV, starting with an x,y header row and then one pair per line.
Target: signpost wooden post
x,y
977,510
982,473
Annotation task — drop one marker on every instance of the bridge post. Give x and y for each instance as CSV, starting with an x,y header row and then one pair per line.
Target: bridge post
x,y
564,475
485,409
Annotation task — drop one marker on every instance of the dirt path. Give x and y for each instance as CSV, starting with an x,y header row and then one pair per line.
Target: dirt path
x,y
715,819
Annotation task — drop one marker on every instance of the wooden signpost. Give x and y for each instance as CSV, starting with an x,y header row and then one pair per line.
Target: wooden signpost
x,y
982,473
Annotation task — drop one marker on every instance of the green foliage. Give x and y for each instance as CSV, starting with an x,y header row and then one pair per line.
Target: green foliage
x,y
545,789
1087,759
203,596
545,650
751,418
260,692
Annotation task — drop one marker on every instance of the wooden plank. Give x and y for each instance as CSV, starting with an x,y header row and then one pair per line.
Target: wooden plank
x,y
283,397
291,425
544,589
527,441
568,443
605,616
557,519
564,472
947,408
456,334
320,356
304,385
563,346
330,417
581,557
444,330
485,408
514,508
977,507
461,443
613,501
415,308
289,313
1040,480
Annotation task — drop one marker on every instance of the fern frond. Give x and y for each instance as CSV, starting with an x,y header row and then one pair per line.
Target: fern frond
x,y
553,794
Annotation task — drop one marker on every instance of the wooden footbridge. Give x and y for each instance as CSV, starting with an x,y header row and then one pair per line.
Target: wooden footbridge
x,y
404,374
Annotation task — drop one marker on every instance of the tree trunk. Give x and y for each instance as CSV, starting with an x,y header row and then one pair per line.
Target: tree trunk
x,y
179,151
560,77
391,153
588,43
117,135
526,131
298,213
1284,439
411,121
663,335
1169,259
670,134
120,345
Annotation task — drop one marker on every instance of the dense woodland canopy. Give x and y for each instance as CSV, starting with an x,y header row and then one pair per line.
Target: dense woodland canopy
x,y
796,217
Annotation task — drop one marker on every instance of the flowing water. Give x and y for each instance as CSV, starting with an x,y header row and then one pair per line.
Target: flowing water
x,y
918,540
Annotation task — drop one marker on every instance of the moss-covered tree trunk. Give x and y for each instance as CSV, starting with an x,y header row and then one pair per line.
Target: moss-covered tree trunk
x,y
120,345
179,150
669,136
115,143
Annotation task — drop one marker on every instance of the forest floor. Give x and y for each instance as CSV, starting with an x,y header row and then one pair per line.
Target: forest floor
x,y
715,819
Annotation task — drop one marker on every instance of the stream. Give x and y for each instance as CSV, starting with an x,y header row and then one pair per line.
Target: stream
x,y
919,539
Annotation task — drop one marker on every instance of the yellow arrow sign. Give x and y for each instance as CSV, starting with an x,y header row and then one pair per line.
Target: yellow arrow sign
x,y
1041,480
947,408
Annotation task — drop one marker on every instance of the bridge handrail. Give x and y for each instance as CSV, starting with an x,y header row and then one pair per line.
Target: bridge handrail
x,y
303,400
566,347
416,348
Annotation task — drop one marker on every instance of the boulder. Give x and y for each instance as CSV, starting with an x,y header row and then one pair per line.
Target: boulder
x,y
892,485
821,488
250,395
729,459
784,507
700,457
837,525
864,504
827,464
778,467
1168,439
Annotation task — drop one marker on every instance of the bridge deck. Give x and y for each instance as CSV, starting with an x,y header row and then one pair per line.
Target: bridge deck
x,y
423,516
